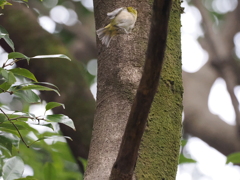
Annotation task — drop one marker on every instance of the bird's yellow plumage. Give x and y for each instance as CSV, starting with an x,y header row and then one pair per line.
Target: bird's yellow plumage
x,y
122,22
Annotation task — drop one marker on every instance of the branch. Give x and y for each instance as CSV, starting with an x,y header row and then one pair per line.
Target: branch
x,y
124,166
220,49
199,121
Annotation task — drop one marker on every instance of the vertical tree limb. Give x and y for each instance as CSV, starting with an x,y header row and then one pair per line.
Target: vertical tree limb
x,y
128,153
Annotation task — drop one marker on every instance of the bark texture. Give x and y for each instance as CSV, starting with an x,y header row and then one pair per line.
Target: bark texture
x,y
159,149
119,73
128,152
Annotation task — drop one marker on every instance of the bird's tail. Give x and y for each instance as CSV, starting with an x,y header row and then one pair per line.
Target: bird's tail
x,y
106,34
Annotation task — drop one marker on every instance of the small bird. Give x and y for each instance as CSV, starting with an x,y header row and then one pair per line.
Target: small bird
x,y
122,22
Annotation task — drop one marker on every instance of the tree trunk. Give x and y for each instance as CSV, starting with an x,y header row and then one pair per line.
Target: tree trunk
x,y
159,150
119,71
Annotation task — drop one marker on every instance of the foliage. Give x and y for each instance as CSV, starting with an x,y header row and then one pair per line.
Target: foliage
x,y
20,140
233,158
182,158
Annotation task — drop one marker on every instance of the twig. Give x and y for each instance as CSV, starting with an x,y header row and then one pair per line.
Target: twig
x,y
11,63
21,117
14,127
10,92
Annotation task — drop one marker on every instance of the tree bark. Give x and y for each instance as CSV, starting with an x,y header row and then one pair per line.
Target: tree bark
x,y
119,72
125,163
159,150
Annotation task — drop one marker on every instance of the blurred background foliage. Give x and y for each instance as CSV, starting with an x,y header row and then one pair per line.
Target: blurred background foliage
x,y
70,25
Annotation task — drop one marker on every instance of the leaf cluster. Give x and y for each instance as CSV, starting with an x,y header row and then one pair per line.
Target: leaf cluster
x,y
20,128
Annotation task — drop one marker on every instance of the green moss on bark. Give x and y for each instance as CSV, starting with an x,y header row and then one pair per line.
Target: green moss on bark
x,y
159,150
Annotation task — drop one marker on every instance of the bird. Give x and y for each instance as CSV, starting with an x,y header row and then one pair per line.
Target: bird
x,y
122,22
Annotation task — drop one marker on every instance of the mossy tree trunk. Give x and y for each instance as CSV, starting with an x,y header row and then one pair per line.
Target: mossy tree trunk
x,y
119,72
159,150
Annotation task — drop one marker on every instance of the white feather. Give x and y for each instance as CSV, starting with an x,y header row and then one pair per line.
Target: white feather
x,y
125,20
113,14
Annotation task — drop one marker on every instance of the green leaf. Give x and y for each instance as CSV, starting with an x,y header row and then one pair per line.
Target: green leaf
x,y
51,136
46,83
233,158
5,151
4,3
3,118
183,159
60,118
8,141
4,34
5,86
9,79
49,125
16,55
7,130
13,168
183,142
4,73
24,72
28,95
52,105
38,87
21,126
51,56
83,161
49,171
9,125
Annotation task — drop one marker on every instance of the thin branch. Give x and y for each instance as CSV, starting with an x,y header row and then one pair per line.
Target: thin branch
x,y
14,127
10,92
11,63
124,166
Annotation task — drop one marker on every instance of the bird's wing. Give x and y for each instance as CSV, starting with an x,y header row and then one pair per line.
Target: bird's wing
x,y
114,13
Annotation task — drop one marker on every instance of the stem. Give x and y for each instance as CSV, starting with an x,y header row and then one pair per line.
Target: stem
x,y
20,117
15,127
10,92
11,63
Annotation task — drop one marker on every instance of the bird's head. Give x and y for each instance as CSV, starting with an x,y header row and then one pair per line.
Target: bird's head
x,y
132,10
